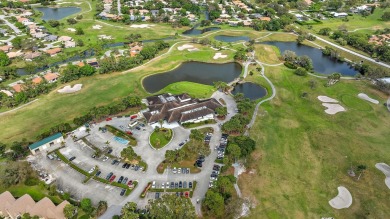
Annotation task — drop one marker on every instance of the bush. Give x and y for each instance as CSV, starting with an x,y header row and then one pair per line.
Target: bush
x,y
300,72
290,65
31,181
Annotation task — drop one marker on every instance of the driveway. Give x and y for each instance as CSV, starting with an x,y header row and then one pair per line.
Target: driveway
x,y
13,27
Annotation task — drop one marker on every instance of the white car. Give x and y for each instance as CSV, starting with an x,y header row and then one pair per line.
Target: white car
x,y
174,170
154,185
91,170
167,185
105,158
162,185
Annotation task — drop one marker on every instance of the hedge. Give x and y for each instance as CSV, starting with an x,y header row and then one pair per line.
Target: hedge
x,y
290,65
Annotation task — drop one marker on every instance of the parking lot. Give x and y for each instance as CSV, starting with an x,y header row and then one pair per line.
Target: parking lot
x,y
69,180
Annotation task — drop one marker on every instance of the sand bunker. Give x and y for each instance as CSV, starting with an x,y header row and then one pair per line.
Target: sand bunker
x,y
185,46
385,170
71,29
142,25
193,49
219,55
96,27
366,97
333,108
342,200
326,99
68,89
331,105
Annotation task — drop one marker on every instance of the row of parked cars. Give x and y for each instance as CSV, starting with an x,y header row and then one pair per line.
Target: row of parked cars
x,y
214,174
123,180
172,185
199,161
127,165
181,170
178,194
222,146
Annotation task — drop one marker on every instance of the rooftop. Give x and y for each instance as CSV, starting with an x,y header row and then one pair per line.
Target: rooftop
x,y
44,141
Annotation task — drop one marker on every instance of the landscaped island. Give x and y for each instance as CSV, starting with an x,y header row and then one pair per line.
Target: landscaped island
x,y
160,137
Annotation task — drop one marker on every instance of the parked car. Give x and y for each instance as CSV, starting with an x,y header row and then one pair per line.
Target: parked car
x,y
188,170
187,194
112,178
157,195
167,185
109,175
176,185
125,180
123,191
180,184
113,162
127,166
98,173
105,158
172,185
120,179
162,185
109,119
109,151
72,158
153,184
174,170
190,185
91,170
124,165
185,184
130,182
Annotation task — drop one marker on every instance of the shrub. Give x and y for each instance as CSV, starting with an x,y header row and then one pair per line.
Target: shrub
x,y
290,65
300,72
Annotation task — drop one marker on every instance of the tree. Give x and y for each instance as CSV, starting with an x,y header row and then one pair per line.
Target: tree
x,y
69,211
79,31
171,206
221,111
240,55
214,203
386,16
222,85
4,60
87,70
289,56
300,72
325,31
196,135
101,208
71,21
170,156
234,151
129,154
128,211
17,42
53,23
300,39
185,21
2,149
86,205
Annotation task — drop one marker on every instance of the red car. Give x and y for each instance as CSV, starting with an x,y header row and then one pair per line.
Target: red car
x,y
130,182
187,194
133,117
108,119
112,178
129,132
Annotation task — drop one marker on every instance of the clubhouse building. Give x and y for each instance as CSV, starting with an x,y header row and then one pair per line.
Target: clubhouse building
x,y
179,109
46,143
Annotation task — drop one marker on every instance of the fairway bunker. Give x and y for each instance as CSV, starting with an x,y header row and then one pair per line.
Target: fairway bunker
x,y
342,200
332,106
364,96
69,89
385,170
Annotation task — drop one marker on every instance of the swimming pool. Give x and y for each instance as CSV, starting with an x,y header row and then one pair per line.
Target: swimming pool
x,y
121,140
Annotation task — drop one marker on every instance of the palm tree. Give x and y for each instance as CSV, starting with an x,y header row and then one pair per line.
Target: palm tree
x,y
161,122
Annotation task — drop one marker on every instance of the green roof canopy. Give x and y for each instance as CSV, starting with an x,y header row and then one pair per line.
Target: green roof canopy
x,y
45,141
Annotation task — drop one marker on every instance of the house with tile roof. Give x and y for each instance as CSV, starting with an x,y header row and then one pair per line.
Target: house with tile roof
x,y
179,109
44,209
51,77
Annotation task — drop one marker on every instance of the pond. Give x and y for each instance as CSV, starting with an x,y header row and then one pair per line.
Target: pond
x,y
198,72
321,63
194,31
250,90
231,39
57,13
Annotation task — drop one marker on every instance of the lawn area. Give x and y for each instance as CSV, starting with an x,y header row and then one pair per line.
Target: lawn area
x,y
267,54
37,192
303,154
160,137
195,90
55,108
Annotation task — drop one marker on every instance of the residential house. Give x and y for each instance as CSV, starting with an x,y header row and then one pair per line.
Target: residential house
x,y
6,48
7,92
31,55
51,77
70,44
54,51
23,20
93,62
37,80
14,208
265,19
51,38
17,88
179,109
64,38
12,55
339,15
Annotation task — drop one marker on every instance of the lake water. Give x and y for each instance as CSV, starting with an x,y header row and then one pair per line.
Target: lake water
x,y
57,13
194,31
198,72
321,63
231,39
250,90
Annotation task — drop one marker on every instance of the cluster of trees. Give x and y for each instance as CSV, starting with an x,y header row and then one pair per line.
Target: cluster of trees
x,y
333,53
15,173
29,91
239,121
129,154
358,41
219,201
297,61
240,55
73,72
168,206
196,146
71,211
275,24
110,64
4,60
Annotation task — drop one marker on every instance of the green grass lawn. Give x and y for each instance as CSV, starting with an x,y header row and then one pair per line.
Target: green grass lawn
x,y
193,89
161,137
303,154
